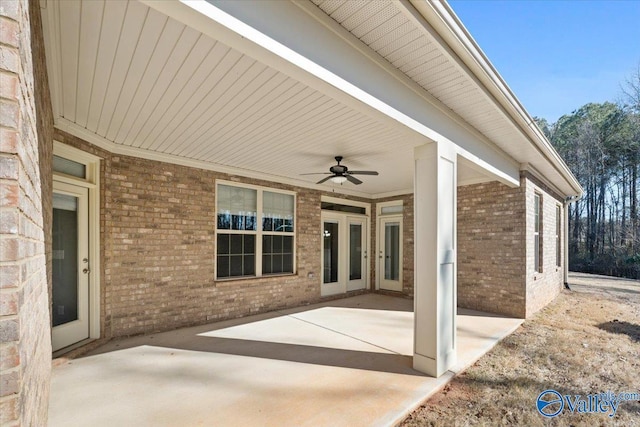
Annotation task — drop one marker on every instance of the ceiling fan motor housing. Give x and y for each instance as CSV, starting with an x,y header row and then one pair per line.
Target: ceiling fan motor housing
x,y
338,169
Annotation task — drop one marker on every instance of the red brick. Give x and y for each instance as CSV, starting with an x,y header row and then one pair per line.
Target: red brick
x,y
8,168
9,383
8,86
9,221
9,330
9,31
10,277
9,408
9,114
9,248
9,356
9,59
8,141
8,303
9,194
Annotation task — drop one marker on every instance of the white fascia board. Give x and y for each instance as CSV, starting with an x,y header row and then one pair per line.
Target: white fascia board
x,y
443,19
286,37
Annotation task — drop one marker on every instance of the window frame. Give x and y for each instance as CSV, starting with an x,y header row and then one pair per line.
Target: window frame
x,y
558,236
258,232
537,232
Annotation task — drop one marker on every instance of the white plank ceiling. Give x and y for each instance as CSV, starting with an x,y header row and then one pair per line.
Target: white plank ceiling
x,y
131,76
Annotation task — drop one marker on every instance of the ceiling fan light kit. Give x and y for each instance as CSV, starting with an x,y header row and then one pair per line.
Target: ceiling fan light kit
x,y
340,174
338,179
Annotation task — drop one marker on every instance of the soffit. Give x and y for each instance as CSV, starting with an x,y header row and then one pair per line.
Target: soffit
x,y
127,75
388,28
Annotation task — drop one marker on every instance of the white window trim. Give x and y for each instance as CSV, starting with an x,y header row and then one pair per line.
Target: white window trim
x,y
537,268
558,235
258,232
381,205
92,182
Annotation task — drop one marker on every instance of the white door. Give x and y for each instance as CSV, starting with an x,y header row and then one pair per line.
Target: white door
x,y
357,254
344,254
70,269
390,253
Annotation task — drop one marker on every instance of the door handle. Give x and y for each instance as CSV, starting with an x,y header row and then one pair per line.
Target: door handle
x,y
86,270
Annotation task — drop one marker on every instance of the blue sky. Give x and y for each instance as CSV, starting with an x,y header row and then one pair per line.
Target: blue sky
x,y
557,55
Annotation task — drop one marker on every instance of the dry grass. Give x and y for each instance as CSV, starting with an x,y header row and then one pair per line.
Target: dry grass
x,y
587,341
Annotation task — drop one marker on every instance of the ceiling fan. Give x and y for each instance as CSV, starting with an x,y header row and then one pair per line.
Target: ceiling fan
x,y
340,174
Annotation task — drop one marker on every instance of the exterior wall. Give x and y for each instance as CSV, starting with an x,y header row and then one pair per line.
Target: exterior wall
x,y
25,342
491,252
407,238
158,248
544,286
496,271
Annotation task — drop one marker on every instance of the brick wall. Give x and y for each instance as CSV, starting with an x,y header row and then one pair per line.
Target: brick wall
x,y
25,343
158,247
157,244
491,253
496,271
544,286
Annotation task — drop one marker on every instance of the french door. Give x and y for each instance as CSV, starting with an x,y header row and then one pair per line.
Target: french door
x,y
70,269
344,253
390,253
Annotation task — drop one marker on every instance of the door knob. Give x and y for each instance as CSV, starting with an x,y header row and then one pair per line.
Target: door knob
x,y
86,270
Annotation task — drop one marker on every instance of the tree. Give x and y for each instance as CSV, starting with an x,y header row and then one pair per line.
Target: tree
x,y
600,144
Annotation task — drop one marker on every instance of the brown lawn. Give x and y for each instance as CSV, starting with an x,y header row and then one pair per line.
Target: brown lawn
x,y
587,341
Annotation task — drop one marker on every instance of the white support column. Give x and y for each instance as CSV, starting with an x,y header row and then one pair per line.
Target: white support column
x,y
435,258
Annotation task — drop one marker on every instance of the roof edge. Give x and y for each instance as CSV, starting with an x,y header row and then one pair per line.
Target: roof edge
x,y
463,44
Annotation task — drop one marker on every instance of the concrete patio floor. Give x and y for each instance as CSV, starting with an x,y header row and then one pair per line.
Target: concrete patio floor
x,y
345,362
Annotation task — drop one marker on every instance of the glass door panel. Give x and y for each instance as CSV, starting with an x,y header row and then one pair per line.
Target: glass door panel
x,y
355,251
331,252
70,267
390,254
65,259
357,254
391,250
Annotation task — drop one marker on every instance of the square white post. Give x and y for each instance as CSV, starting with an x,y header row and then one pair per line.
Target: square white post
x,y
435,258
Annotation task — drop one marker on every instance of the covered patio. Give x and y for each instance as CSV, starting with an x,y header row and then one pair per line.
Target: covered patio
x,y
343,362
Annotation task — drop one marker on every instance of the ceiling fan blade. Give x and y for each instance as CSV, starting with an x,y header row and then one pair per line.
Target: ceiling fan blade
x,y
316,173
362,172
325,179
353,180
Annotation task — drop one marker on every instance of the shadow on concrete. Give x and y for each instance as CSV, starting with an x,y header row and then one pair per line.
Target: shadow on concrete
x,y
353,359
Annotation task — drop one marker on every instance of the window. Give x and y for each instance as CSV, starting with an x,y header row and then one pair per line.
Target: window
x,y
391,210
537,233
330,206
558,228
69,167
255,232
